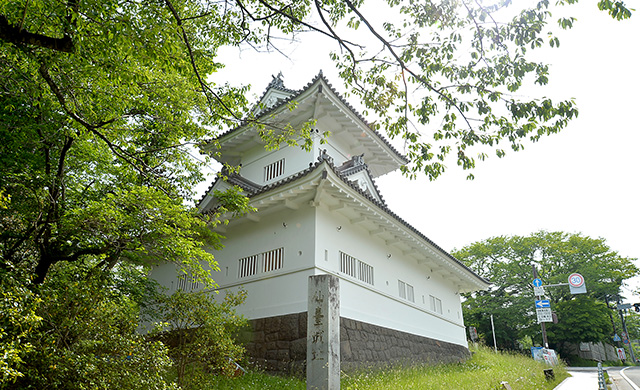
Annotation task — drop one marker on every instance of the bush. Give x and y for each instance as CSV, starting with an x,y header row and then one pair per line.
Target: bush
x,y
87,337
200,332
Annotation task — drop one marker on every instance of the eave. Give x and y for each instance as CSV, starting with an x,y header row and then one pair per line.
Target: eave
x,y
319,101
322,186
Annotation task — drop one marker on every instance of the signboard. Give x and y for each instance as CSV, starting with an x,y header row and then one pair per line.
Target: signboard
x,y
621,354
538,291
625,337
576,284
623,306
544,314
473,333
544,355
542,303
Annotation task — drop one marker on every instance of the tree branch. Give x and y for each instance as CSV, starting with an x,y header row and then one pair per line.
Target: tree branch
x,y
402,65
18,36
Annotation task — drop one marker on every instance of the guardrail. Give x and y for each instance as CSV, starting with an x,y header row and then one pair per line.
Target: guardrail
x,y
601,383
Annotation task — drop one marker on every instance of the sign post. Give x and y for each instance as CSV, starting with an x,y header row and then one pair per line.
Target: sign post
x,y
543,306
576,284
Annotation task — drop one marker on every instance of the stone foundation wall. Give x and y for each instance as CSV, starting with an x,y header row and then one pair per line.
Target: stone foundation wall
x,y
363,344
593,351
279,344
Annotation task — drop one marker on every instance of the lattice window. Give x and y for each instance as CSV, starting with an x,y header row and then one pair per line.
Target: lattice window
x,y
187,282
365,272
405,291
348,264
356,268
274,170
435,304
248,266
272,260
263,262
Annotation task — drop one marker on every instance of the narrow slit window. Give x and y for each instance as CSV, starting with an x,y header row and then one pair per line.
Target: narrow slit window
x,y
274,170
186,282
261,263
405,291
356,268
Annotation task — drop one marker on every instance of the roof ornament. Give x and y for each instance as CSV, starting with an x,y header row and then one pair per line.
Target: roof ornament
x,y
324,156
277,81
358,160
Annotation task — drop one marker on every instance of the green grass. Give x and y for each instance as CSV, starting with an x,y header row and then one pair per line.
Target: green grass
x,y
484,371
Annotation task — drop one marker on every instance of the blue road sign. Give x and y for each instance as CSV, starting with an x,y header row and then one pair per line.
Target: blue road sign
x,y
543,303
537,282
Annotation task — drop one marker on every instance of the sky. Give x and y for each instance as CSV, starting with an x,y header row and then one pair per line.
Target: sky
x,y
586,179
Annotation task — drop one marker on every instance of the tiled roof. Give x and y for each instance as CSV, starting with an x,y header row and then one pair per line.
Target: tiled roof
x,y
356,165
297,93
381,205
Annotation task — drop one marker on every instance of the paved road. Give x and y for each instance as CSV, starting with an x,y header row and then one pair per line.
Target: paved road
x,y
625,378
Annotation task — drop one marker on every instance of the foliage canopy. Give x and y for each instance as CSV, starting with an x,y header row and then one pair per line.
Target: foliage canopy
x,y
508,262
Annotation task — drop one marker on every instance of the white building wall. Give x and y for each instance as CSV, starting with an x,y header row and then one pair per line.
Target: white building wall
x,y
277,292
254,162
381,303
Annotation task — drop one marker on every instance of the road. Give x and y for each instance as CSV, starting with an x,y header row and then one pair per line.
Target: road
x,y
625,378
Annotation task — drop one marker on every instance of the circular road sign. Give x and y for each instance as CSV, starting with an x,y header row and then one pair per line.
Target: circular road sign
x,y
576,280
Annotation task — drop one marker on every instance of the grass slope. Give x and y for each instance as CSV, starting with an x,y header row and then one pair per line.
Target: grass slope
x,y
484,371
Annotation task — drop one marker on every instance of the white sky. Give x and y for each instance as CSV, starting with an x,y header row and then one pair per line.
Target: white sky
x,y
583,180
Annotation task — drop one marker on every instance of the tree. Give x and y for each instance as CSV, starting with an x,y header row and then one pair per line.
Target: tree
x,y
86,333
508,262
582,319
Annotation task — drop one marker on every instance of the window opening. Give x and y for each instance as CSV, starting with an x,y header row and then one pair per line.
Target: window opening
x,y
356,268
274,170
402,289
405,291
263,262
435,304
186,282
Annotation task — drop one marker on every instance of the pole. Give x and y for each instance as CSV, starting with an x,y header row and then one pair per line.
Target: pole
x,y
624,326
545,342
493,330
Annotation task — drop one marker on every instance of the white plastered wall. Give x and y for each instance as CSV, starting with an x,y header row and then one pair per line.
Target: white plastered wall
x,y
274,293
254,161
381,303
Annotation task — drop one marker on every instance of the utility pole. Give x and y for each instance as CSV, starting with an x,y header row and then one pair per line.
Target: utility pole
x,y
624,327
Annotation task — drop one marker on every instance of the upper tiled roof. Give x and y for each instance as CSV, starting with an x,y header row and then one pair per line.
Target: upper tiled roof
x,y
277,83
